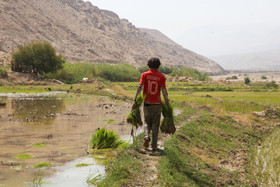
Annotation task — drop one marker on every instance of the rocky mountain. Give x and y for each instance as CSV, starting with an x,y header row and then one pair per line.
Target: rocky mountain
x,y
83,32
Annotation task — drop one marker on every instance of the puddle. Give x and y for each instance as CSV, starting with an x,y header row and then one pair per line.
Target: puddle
x,y
70,175
62,124
53,93
177,112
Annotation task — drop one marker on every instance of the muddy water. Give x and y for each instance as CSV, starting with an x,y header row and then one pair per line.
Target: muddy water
x,y
64,124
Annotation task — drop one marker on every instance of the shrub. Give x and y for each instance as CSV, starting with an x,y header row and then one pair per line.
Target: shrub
x,y
190,72
3,72
272,84
233,77
143,69
120,72
264,77
74,72
104,139
41,56
247,80
165,69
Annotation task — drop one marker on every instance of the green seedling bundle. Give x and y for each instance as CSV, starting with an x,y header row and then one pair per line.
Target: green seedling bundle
x,y
134,116
167,125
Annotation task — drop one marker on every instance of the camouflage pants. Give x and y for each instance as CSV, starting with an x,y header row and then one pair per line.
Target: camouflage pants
x,y
152,114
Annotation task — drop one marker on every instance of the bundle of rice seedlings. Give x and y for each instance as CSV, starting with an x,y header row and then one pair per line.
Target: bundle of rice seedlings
x,y
134,116
167,125
104,139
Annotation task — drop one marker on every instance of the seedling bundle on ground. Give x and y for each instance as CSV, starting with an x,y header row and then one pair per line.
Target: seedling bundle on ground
x,y
104,139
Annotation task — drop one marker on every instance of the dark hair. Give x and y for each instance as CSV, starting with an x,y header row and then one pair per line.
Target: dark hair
x,y
154,62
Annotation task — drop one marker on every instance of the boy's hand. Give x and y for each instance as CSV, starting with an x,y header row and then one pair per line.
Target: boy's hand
x,y
134,105
167,102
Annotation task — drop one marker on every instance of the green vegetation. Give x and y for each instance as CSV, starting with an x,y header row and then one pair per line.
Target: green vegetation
x,y
201,152
82,165
194,151
39,145
104,139
179,72
167,125
162,69
134,117
247,80
109,121
190,72
265,166
42,164
264,77
120,72
122,169
272,84
3,72
23,156
37,181
39,56
220,141
74,72
232,77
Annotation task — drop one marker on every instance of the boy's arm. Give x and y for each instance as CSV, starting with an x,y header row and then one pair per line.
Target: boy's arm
x,y
139,89
165,96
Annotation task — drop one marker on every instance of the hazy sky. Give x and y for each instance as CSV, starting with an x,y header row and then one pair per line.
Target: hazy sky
x,y
208,27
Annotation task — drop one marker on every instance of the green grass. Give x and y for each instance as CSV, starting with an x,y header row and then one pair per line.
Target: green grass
x,y
23,156
22,89
120,171
82,165
243,102
123,169
266,164
109,121
39,145
43,164
192,154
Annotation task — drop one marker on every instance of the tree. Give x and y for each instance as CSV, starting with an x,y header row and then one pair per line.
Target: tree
x,y
40,56
247,80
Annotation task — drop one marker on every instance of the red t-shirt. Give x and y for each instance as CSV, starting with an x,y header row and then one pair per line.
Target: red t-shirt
x,y
153,81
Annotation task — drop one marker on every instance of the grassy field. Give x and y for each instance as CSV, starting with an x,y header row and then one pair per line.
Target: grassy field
x,y
219,140
224,140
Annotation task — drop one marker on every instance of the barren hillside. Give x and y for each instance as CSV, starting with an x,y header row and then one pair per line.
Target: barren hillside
x,y
83,32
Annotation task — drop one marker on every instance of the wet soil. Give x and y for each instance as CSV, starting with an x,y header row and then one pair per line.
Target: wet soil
x,y
63,123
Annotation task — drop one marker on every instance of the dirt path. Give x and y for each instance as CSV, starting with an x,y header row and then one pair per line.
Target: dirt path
x,y
151,160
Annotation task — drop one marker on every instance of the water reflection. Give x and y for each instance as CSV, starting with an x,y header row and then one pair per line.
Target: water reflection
x,y
37,110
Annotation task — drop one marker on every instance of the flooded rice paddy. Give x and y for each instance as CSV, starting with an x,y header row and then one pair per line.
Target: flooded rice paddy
x,y
54,130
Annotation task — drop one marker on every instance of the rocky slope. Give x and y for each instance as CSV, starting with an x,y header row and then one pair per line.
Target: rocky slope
x,y
83,32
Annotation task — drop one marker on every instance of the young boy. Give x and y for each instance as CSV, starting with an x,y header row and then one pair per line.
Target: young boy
x,y
153,82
